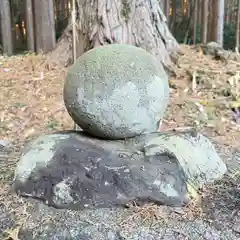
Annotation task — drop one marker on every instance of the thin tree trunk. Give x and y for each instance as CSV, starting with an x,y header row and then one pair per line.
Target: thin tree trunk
x,y
210,21
189,4
173,18
189,24
183,6
204,21
66,8
199,12
214,20
6,27
221,21
232,14
227,6
44,25
61,9
195,15
237,28
217,21
29,25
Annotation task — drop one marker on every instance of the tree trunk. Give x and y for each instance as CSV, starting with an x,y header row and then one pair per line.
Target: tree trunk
x,y
173,17
199,12
237,28
210,21
136,22
189,3
227,11
61,9
183,7
217,21
6,27
195,15
204,21
29,25
221,22
189,22
231,15
44,25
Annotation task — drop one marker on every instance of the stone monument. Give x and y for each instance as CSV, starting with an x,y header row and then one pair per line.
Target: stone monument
x,y
117,94
116,91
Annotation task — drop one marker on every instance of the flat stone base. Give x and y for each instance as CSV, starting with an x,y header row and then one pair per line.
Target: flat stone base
x,y
75,171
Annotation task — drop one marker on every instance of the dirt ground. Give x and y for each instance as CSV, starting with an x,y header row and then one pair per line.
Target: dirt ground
x,y
31,103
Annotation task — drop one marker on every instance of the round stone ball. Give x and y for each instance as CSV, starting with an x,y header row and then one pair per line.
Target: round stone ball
x,y
116,91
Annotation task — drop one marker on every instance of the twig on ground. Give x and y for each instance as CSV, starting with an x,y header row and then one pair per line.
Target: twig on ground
x,y
194,82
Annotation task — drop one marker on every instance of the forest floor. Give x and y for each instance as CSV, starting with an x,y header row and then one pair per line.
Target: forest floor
x,y
202,95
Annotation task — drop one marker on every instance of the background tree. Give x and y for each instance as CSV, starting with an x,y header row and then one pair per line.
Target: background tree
x,y
210,20
44,25
237,27
6,27
136,22
227,10
217,21
173,17
195,18
204,22
199,12
189,22
29,25
26,34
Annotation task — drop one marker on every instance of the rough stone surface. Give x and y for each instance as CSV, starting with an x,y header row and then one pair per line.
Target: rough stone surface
x,y
116,91
75,171
217,51
195,153
71,170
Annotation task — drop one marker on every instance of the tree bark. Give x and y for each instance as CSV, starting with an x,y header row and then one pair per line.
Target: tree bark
x,y
227,12
173,17
217,21
195,15
6,27
136,22
199,12
185,8
189,3
29,25
237,28
44,25
210,20
204,21
231,11
189,23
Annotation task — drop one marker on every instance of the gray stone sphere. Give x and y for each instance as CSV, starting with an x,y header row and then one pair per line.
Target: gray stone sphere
x,y
116,91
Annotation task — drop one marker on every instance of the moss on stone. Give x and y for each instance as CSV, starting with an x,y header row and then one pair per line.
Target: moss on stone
x,y
115,61
119,87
